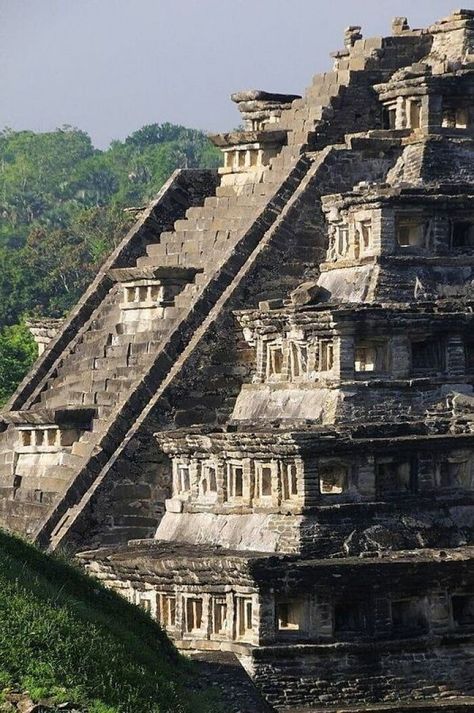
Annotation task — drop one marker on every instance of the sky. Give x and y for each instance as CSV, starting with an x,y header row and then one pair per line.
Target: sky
x,y
111,66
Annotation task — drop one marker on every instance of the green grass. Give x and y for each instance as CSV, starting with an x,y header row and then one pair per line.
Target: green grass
x,y
63,635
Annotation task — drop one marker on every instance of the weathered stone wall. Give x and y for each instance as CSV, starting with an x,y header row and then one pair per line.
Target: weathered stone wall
x,y
371,527
434,159
453,37
359,674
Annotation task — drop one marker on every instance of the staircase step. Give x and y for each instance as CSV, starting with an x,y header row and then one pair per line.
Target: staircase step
x,y
63,396
94,335
90,438
53,482
34,497
111,363
34,501
84,450
118,385
117,351
70,460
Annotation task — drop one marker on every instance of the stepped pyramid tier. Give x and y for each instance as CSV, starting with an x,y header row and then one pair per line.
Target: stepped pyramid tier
x,y
258,422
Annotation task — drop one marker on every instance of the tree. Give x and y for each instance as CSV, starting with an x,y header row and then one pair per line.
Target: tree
x,y
17,353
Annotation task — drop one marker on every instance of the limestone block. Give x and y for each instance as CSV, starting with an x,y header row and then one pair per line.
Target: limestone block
x,y
305,294
174,505
238,532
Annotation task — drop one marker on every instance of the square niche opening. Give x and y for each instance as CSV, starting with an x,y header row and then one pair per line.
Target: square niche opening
x,y
194,611
219,614
411,233
463,609
462,234
351,618
333,479
290,615
409,617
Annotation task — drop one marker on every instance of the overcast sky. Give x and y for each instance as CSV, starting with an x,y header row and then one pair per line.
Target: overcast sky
x,y
111,66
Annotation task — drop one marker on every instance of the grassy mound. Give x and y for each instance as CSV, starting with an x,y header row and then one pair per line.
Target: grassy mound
x,y
63,635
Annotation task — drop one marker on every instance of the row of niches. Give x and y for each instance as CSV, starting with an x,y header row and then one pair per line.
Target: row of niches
x,y
294,359
147,302
292,484
247,158
229,615
417,113
143,292
45,438
353,617
147,293
350,618
320,359
363,233
238,482
269,618
260,124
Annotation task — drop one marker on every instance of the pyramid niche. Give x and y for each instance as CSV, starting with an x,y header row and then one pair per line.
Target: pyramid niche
x,y
258,423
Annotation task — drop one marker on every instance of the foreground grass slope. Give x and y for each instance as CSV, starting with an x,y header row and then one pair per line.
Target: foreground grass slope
x,y
64,636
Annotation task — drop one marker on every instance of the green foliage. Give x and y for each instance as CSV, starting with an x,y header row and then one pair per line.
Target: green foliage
x,y
35,174
63,636
17,353
59,195
61,213
61,262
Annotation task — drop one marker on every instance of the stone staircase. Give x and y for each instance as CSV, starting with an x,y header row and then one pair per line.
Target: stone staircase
x,y
95,373
97,362
190,314
340,101
205,236
100,369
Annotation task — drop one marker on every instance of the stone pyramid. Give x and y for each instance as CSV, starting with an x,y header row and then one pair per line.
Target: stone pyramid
x,y
258,422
